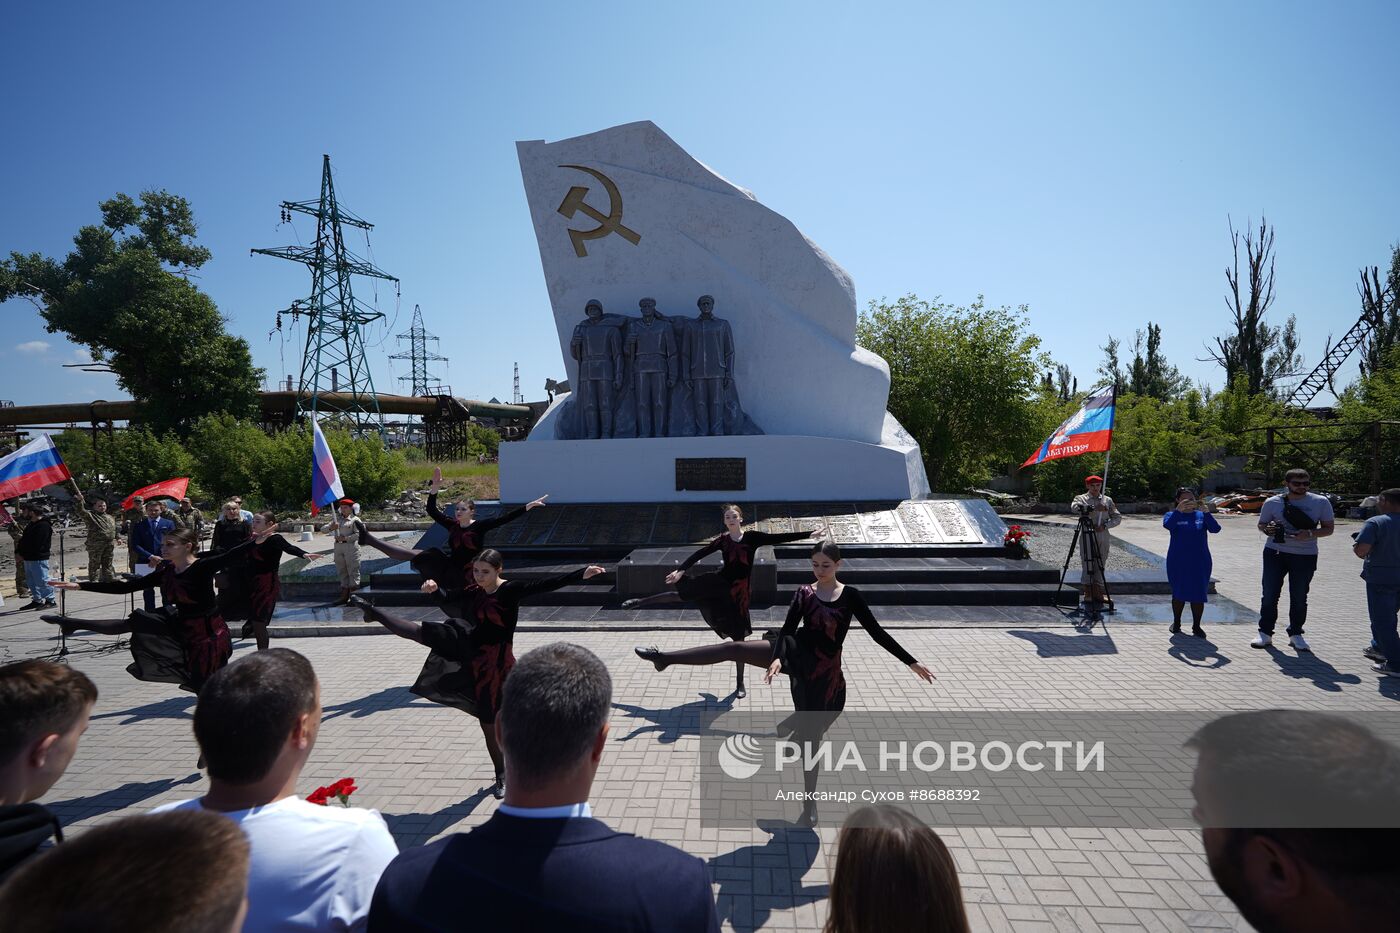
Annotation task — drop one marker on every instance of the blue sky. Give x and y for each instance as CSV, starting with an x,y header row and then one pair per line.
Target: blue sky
x,y
1078,158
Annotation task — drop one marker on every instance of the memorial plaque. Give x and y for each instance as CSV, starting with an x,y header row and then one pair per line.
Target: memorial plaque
x,y
881,528
919,526
952,522
711,473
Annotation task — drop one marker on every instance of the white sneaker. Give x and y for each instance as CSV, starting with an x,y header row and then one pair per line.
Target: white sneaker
x,y
1262,640
1297,644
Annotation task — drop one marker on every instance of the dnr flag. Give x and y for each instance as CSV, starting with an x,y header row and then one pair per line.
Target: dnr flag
x,y
1087,431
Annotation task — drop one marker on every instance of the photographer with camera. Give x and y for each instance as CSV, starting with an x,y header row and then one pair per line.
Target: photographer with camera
x,y
1293,522
1097,513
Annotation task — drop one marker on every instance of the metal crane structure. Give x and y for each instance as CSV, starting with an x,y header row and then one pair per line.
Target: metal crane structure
x,y
418,356
517,398
335,342
1373,302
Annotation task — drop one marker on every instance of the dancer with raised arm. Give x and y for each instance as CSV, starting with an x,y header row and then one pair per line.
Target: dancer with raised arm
x,y
810,654
472,649
723,595
254,586
465,538
185,641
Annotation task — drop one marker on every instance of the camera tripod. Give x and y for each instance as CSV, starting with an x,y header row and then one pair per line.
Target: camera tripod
x,y
1095,564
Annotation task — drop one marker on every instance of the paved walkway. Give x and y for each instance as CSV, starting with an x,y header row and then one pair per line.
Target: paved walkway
x,y
426,769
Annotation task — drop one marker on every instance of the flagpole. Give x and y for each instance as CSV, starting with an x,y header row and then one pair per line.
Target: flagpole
x,y
1108,454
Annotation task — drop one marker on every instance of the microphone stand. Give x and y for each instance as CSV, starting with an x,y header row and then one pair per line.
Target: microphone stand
x,y
62,594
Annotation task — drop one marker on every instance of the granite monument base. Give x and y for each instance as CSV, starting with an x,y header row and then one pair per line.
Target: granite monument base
x,y
710,469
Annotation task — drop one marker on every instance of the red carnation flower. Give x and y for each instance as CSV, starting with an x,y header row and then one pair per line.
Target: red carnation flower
x,y
320,796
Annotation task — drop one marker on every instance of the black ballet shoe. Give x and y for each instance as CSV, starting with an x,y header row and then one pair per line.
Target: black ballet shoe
x,y
1198,631
498,789
246,631
740,692
631,603
808,819
1176,627
362,604
199,765
63,622
652,654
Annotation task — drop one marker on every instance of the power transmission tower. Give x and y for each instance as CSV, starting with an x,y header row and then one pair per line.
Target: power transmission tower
x,y
335,342
518,398
418,355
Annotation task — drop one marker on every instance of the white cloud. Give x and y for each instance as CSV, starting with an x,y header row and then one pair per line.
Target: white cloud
x,y
82,356
33,346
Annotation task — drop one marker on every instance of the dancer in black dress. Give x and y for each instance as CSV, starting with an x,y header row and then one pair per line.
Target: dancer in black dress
x,y
465,538
185,641
723,595
253,587
809,655
472,649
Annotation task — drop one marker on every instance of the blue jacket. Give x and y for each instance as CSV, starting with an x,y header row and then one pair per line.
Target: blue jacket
x,y
518,873
143,541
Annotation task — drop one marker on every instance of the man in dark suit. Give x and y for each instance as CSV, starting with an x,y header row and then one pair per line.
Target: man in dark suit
x,y
542,862
146,536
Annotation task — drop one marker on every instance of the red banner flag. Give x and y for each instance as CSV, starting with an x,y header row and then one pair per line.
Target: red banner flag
x,y
174,488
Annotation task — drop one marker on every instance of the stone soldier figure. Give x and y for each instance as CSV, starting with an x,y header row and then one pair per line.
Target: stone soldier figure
x,y
651,346
709,365
598,348
101,535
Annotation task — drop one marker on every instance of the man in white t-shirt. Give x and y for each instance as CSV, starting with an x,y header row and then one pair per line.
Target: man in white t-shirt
x,y
1293,522
313,867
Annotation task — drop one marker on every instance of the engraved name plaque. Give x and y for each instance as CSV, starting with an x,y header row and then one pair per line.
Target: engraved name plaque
x,y
711,473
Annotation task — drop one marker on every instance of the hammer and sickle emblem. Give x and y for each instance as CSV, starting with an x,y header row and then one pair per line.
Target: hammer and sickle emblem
x,y
611,222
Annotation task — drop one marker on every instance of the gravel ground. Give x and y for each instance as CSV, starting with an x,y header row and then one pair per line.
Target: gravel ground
x,y
1049,543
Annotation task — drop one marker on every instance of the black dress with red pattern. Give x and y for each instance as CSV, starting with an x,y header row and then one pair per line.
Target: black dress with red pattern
x,y
811,655
472,655
463,543
254,587
723,595
185,641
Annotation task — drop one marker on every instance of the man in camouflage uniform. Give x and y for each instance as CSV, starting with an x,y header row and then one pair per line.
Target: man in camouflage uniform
x,y
101,535
137,513
187,516
15,529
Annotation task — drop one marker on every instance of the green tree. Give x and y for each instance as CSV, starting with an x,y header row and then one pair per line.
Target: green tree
x,y
124,293
1150,373
231,456
482,440
1263,353
1380,304
368,472
137,457
962,382
75,447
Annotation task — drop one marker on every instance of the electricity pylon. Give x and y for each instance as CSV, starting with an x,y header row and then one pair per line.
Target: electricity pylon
x,y
335,342
418,355
517,397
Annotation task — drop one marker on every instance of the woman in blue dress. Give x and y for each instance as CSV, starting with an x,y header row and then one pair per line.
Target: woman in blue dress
x,y
1188,557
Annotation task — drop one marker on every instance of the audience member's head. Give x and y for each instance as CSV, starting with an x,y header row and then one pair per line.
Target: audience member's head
x,y
35,511
1326,786
98,505
893,874
181,872
258,717
44,709
553,721
1390,500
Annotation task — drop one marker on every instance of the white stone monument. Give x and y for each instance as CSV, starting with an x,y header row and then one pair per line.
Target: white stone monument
x,y
624,214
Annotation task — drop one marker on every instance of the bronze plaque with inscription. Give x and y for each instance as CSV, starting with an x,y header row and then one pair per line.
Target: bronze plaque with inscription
x,y
711,473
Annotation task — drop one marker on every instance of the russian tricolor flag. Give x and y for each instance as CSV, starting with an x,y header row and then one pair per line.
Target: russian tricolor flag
x,y
1088,431
325,478
34,466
